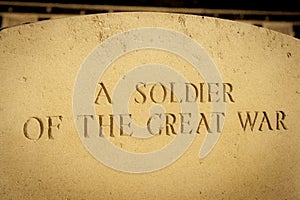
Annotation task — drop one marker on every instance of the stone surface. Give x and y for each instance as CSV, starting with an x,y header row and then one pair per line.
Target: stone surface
x,y
39,66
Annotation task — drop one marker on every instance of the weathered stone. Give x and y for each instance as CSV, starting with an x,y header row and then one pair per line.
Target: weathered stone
x,y
43,155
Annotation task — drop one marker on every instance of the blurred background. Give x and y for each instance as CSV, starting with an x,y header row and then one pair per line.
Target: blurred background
x,y
281,16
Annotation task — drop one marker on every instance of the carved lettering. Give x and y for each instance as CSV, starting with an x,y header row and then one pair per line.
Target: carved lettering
x,y
85,123
137,87
220,116
213,92
228,93
185,122
152,120
203,120
172,98
123,117
280,116
263,120
34,133
110,125
248,119
162,93
52,124
102,88
152,93
170,124
191,96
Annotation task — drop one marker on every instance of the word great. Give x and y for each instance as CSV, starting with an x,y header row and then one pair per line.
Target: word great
x,y
156,123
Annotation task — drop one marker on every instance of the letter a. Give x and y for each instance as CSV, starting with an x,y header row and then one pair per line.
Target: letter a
x,y
102,87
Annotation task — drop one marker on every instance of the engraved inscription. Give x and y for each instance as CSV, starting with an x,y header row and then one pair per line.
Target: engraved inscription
x,y
163,123
261,121
158,93
34,127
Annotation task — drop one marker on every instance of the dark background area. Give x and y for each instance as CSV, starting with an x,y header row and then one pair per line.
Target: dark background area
x,y
260,13
275,5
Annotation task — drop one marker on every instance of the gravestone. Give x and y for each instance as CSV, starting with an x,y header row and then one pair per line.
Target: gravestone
x,y
148,105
